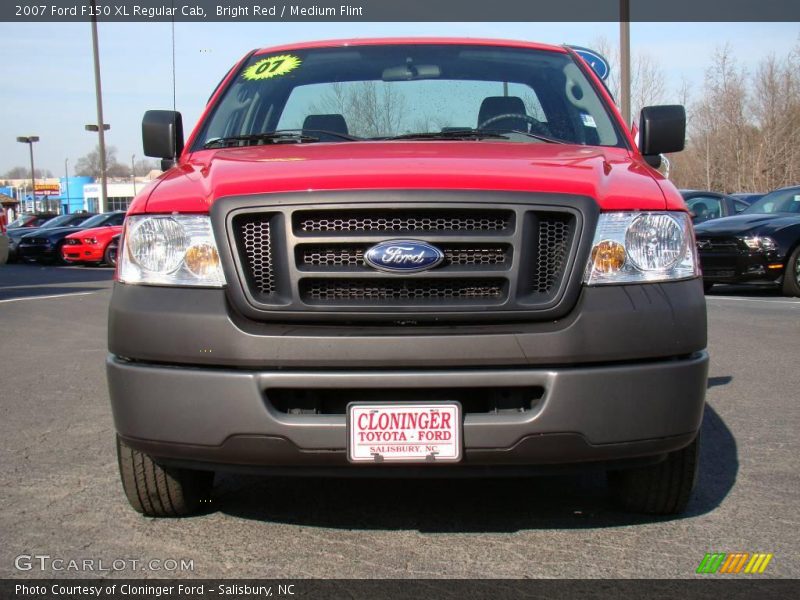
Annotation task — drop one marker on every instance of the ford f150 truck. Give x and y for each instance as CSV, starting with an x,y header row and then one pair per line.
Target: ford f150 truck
x,y
408,257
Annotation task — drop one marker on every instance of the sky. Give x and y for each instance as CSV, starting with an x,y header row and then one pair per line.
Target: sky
x,y
47,77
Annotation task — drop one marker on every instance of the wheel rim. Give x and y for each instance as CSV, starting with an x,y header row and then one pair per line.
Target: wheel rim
x,y
797,270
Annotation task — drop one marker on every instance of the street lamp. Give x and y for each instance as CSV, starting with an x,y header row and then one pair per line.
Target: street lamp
x,y
102,149
30,141
133,173
66,183
101,127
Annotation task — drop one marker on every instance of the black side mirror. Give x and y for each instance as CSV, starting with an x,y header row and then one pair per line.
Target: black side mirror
x,y
162,134
662,129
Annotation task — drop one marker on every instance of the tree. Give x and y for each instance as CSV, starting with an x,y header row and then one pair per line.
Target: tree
x,y
144,165
647,77
89,164
370,108
25,173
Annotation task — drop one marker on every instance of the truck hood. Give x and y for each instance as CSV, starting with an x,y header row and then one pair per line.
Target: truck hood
x,y
612,176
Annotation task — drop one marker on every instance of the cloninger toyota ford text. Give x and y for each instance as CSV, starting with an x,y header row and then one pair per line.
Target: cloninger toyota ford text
x,y
409,257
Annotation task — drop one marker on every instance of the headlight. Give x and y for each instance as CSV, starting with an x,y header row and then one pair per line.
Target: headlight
x,y
632,247
756,242
90,241
170,250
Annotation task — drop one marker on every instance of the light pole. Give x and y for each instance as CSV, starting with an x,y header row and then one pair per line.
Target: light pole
x,y
101,145
101,126
30,141
66,182
625,60
133,173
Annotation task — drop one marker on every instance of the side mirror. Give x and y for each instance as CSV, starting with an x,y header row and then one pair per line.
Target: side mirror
x,y
162,134
662,129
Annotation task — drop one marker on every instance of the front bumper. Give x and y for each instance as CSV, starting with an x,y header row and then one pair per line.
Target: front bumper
x,y
741,267
81,253
227,417
34,252
622,377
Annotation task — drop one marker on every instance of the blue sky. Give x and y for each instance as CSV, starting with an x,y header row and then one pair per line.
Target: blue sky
x,y
47,84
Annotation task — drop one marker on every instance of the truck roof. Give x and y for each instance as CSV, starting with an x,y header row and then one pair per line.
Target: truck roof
x,y
410,40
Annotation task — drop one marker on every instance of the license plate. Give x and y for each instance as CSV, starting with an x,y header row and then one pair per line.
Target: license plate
x,y
404,432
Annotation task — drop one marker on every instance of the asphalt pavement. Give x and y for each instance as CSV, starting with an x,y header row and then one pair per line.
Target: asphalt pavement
x,y
60,495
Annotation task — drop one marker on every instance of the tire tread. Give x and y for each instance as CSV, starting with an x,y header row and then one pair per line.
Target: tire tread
x,y
158,491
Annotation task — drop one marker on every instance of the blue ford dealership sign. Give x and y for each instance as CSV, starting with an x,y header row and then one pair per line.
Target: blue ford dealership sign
x,y
594,59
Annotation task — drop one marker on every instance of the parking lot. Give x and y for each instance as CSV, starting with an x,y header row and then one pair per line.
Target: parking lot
x,y
61,495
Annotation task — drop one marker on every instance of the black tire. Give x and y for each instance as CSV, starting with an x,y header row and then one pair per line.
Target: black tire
x,y
707,285
158,491
791,275
661,489
110,254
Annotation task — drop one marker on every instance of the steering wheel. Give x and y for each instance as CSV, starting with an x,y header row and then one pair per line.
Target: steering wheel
x,y
523,116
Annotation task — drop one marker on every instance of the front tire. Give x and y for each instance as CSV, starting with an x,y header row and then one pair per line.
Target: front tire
x,y
791,274
158,491
661,489
110,254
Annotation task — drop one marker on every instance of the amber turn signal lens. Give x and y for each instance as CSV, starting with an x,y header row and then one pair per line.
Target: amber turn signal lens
x,y
202,260
608,256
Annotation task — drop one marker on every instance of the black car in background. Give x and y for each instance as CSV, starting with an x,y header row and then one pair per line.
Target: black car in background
x,y
17,233
748,197
706,206
44,245
760,245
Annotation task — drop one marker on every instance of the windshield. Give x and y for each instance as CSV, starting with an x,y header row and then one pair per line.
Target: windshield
x,y
386,91
63,221
781,201
95,221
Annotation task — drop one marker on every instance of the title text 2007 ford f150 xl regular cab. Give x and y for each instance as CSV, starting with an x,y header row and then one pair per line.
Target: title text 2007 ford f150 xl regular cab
x,y
408,257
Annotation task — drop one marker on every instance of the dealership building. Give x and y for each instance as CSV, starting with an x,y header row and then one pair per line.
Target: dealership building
x,y
69,194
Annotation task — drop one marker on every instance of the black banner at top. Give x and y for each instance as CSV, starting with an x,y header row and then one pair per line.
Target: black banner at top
x,y
398,10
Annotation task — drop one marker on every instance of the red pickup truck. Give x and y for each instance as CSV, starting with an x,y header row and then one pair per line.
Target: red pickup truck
x,y
408,257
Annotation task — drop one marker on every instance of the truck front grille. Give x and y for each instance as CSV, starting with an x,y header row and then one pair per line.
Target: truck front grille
x,y
499,258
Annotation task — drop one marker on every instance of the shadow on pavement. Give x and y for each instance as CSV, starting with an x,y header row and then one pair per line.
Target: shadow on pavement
x,y
751,291
466,505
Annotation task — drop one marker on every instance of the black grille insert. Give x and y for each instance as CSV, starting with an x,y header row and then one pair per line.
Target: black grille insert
x,y
254,234
402,220
474,400
555,234
409,291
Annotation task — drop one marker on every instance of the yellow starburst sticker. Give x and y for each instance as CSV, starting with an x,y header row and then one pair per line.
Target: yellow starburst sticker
x,y
272,66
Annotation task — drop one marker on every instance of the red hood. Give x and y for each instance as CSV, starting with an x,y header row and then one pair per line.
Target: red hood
x,y
102,232
613,176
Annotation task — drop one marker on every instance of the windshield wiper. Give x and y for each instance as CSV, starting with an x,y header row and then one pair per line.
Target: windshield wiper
x,y
455,134
270,137
472,134
537,136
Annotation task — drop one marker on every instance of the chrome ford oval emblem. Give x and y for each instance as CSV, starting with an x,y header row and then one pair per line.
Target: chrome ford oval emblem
x,y
403,256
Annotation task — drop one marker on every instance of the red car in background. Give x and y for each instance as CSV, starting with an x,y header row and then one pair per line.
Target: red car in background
x,y
90,245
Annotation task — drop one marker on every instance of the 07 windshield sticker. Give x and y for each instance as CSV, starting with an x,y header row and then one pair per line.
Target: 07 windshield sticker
x,y
272,66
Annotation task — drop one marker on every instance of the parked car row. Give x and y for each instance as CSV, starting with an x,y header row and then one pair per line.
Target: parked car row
x,y
759,245
77,238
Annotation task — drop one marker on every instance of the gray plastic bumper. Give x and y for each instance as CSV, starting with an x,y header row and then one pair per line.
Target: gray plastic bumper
x,y
587,413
